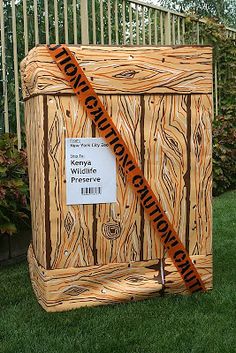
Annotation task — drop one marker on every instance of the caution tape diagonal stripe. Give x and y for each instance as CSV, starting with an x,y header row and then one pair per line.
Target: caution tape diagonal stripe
x,y
87,97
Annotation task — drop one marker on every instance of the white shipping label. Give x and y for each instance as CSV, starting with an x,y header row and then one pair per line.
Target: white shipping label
x,y
90,172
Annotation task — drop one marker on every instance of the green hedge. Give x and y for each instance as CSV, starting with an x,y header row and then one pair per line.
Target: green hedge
x,y
224,132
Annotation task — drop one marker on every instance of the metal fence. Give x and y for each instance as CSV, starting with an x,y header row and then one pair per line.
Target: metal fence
x,y
26,23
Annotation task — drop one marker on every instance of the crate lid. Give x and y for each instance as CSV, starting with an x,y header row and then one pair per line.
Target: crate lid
x,y
123,70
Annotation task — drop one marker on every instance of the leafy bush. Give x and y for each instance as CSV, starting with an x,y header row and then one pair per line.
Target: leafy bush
x,y
224,154
14,190
224,125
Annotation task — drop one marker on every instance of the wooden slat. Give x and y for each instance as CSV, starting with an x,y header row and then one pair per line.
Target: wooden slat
x,y
123,244
71,227
173,282
127,70
66,289
34,126
166,149
201,175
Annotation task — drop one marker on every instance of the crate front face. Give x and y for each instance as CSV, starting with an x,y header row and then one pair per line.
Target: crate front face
x,y
160,100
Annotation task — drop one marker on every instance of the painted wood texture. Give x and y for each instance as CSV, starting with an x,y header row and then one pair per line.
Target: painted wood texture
x,y
115,70
200,198
90,234
170,137
155,127
125,216
165,163
65,289
34,126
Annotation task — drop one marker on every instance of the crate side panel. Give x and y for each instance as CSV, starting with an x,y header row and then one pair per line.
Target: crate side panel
x,y
200,240
34,126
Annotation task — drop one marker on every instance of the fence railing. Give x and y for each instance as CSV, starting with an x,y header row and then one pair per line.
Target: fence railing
x,y
26,23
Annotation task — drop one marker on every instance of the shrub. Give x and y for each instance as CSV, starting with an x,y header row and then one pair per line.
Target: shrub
x,y
224,132
14,190
224,154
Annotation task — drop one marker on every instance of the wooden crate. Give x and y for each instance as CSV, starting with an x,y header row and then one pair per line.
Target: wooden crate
x,y
160,98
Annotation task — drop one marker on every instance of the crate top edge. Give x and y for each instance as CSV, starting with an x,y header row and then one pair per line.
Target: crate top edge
x,y
124,69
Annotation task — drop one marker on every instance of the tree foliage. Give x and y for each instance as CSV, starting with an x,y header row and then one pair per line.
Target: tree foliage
x,y
222,10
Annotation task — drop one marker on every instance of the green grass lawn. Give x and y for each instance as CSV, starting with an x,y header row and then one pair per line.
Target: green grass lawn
x,y
202,323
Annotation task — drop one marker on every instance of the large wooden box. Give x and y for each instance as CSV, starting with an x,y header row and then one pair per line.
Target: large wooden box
x,y
160,98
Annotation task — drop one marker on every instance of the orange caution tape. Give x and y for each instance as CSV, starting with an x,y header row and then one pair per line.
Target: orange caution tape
x,y
75,76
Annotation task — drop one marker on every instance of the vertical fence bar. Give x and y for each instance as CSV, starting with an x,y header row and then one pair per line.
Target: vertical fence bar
x,y
4,76
137,24
36,26
183,30
116,22
25,26
149,27
56,21
16,78
75,22
46,21
216,88
84,21
124,21
178,29
167,29
94,22
143,25
101,22
131,23
198,33
109,20
155,25
66,21
173,30
161,28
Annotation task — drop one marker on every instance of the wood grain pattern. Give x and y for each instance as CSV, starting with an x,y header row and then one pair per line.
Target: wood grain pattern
x,y
172,279
126,70
165,163
200,241
34,120
65,289
124,244
71,226
107,253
